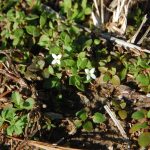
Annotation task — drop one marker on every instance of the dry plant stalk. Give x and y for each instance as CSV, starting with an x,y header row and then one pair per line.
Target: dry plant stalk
x,y
132,40
41,145
144,36
116,121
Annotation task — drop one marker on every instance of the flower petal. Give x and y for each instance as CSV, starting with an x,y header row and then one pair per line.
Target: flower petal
x,y
58,61
54,56
87,71
88,77
93,76
59,56
54,61
92,70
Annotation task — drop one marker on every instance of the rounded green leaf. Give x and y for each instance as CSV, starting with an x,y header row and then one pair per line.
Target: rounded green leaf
x,y
148,114
88,126
143,79
138,115
97,41
82,115
106,77
43,19
138,126
44,40
103,69
115,80
87,11
98,118
29,104
144,139
78,123
33,30
123,74
122,114
123,105
16,98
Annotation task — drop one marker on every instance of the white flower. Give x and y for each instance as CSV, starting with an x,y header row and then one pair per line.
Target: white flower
x,y
90,73
148,95
56,59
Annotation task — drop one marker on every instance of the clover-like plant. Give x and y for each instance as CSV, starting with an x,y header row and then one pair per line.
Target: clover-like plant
x,y
86,122
11,116
142,117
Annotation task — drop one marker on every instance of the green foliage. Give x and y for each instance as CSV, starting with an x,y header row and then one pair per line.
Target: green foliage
x,y
120,107
98,118
76,11
138,126
142,125
10,115
144,139
61,54
86,121
138,115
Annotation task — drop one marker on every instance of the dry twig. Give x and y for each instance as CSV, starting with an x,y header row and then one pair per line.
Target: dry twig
x,y
116,121
132,40
42,145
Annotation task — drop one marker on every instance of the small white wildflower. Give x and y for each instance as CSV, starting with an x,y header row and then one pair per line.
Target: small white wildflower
x,y
90,73
148,95
56,59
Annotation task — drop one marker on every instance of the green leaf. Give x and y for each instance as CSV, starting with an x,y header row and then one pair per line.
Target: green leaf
x,y
43,19
144,139
138,115
148,114
44,40
16,98
98,118
82,114
115,80
122,114
69,62
138,126
88,43
16,41
87,11
55,50
41,64
18,130
76,81
78,123
123,105
81,63
48,71
29,104
88,126
103,69
82,55
33,30
106,77
112,71
8,113
10,130
67,5
32,17
97,41
68,48
1,121
143,79
18,33
84,3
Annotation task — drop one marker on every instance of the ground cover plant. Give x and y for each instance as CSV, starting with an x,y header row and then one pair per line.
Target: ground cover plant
x,y
74,74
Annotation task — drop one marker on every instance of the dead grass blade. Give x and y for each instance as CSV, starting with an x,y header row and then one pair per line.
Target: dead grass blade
x,y
116,121
41,145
